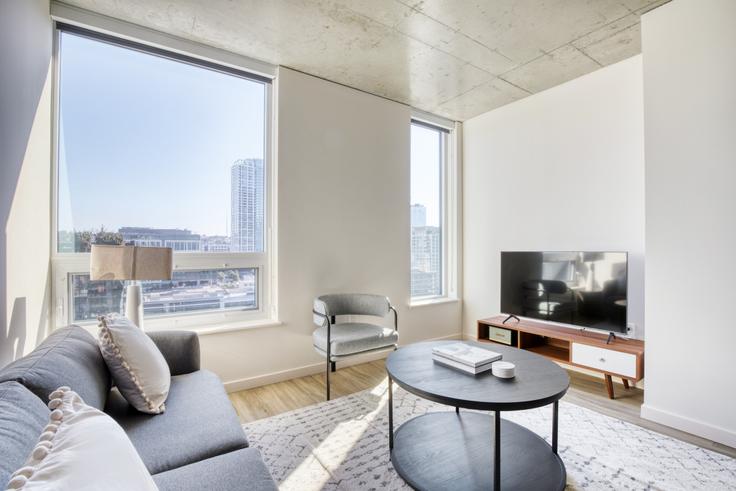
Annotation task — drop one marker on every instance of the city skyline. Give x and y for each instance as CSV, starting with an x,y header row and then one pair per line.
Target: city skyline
x,y
247,197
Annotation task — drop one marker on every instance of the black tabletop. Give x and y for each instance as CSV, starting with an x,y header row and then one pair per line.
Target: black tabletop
x,y
538,381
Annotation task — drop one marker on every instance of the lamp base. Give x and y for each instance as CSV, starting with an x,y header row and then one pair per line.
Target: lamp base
x,y
134,303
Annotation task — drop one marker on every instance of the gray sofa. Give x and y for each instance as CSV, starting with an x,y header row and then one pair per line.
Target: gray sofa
x,y
197,443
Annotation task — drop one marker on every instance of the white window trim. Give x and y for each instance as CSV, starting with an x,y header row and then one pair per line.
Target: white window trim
x,y
64,264
450,203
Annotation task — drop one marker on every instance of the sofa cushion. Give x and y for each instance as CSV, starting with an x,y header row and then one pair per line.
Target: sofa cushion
x,y
199,423
241,469
68,357
138,368
22,419
83,449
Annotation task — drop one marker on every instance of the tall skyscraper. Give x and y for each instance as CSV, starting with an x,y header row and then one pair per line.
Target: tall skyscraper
x,y
426,254
418,215
247,205
426,261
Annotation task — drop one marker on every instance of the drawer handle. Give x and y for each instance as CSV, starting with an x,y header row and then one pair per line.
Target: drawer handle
x,y
603,360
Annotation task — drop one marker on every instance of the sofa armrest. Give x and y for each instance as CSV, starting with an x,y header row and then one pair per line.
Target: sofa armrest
x,y
180,349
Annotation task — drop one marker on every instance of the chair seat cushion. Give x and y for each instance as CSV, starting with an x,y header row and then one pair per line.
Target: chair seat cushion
x,y
241,469
199,423
354,337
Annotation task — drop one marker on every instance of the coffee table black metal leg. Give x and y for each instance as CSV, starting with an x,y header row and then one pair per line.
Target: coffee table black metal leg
x,y
555,414
497,450
390,415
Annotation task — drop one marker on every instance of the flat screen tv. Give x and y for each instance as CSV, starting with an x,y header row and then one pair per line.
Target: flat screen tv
x,y
582,288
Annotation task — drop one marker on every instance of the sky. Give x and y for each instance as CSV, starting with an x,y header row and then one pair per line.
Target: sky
x,y
425,171
133,124
146,141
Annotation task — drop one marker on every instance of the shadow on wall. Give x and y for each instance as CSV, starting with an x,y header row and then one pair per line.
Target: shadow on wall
x,y
14,340
25,54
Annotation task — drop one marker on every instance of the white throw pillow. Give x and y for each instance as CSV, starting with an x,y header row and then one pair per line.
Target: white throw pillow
x,y
138,368
83,449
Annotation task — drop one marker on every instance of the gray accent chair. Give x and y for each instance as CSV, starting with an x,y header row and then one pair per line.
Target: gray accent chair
x,y
338,340
197,443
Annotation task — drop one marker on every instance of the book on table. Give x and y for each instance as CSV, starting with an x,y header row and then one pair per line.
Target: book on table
x,y
465,357
466,354
462,367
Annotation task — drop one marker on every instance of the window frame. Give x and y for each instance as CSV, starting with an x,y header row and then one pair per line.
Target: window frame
x,y
64,264
449,209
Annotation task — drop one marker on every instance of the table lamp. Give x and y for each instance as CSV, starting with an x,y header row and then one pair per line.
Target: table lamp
x,y
133,264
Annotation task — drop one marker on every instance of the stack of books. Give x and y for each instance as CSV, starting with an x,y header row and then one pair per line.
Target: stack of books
x,y
465,357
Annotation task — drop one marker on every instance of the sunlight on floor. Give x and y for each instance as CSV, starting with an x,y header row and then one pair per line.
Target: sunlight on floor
x,y
329,455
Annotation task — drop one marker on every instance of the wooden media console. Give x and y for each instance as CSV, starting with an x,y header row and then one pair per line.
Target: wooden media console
x,y
621,357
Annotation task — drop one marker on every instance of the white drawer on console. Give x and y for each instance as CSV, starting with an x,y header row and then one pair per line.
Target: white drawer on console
x,y
604,359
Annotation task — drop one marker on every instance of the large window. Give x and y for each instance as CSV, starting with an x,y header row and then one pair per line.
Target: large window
x,y
156,149
428,210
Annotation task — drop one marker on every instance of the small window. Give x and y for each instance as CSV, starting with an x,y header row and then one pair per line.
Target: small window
x,y
428,162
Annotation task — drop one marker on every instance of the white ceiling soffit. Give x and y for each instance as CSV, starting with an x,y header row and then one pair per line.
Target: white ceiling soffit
x,y
455,58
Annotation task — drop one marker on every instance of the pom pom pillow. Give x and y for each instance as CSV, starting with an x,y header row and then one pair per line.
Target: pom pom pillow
x,y
138,368
82,449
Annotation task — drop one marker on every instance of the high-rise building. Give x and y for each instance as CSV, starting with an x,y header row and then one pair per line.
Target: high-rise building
x,y
426,261
180,240
418,215
215,243
247,205
426,254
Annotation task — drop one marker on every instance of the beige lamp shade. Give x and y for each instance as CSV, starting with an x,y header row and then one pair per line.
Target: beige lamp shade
x,y
109,262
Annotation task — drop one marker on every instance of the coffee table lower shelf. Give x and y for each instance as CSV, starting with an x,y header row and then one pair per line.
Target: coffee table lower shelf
x,y
451,451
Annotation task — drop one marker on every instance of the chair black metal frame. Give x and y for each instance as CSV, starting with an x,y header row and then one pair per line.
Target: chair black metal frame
x,y
331,367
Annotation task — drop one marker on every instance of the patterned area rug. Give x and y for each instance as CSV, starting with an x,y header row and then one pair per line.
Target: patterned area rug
x,y
343,445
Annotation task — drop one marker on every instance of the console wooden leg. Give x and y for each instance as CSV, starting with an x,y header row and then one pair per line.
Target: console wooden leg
x,y
626,383
609,386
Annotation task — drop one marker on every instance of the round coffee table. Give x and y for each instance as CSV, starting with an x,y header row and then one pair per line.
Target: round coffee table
x,y
469,450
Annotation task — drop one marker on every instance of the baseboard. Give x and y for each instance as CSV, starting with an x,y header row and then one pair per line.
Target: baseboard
x,y
689,425
303,371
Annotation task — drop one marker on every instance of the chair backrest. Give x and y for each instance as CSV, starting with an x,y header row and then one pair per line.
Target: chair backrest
x,y
350,304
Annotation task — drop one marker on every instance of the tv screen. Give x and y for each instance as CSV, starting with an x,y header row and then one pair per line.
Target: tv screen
x,y
580,288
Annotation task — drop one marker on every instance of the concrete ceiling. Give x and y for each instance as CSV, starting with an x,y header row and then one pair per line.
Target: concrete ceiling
x,y
455,58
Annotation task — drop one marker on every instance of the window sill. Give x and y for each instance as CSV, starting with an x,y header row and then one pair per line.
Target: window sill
x,y
432,301
235,326
206,329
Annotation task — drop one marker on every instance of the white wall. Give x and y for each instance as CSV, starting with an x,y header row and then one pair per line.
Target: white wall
x,y
343,226
25,181
689,51
559,170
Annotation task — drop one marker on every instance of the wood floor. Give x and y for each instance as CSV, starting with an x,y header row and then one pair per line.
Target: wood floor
x,y
585,390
